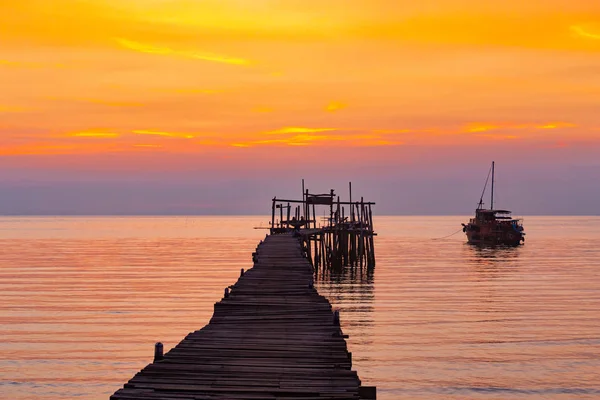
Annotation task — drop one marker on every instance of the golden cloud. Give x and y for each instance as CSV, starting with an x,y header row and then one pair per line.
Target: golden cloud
x,y
165,134
11,109
583,33
296,129
94,134
335,106
150,49
479,127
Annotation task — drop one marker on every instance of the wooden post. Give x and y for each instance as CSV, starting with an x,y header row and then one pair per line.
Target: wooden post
x,y
350,191
323,252
303,199
242,272
226,292
158,352
371,234
305,204
331,210
273,215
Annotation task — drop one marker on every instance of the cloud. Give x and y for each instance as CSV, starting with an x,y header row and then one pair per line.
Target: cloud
x,y
556,125
480,127
150,49
303,139
296,136
335,106
295,129
477,127
94,134
11,109
165,134
582,33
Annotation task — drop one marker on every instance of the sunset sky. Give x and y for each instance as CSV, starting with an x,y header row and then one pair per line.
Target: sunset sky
x,y
216,106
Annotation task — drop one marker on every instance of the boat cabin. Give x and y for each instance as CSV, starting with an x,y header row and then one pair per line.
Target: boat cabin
x,y
500,216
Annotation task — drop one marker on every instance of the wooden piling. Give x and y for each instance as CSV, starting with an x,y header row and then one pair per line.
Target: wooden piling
x,y
158,352
342,239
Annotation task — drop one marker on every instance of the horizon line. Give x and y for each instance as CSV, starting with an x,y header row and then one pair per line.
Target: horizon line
x,y
269,216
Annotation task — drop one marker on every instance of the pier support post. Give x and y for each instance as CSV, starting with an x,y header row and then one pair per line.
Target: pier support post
x,y
226,292
336,318
242,272
158,352
367,392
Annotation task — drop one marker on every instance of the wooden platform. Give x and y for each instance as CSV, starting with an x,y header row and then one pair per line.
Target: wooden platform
x,y
272,337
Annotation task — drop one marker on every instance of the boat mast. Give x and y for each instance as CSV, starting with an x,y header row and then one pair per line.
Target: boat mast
x,y
493,167
480,205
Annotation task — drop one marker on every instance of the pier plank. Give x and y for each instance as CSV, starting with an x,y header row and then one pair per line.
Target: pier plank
x,y
271,337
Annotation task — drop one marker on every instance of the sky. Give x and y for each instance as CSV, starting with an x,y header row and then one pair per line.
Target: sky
x,y
217,106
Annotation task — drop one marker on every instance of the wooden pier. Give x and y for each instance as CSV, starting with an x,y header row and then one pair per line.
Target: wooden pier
x,y
272,336
342,237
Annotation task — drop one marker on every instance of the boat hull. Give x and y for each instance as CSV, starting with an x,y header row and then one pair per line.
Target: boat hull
x,y
502,238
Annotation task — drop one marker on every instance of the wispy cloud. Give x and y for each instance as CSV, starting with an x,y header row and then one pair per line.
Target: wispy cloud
x,y
296,129
322,137
335,106
151,49
11,109
583,33
94,134
164,134
480,127
556,125
303,139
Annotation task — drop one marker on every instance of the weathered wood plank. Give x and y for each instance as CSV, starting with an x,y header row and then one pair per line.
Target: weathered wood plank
x,y
271,337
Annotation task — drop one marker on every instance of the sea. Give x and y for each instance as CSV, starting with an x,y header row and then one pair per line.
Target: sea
x,y
84,299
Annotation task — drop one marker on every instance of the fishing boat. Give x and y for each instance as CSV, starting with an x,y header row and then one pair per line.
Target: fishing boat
x,y
493,227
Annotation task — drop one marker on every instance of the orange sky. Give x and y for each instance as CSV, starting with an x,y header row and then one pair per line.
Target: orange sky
x,y
232,76
410,99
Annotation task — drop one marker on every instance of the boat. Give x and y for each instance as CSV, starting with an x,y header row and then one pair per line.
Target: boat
x,y
493,227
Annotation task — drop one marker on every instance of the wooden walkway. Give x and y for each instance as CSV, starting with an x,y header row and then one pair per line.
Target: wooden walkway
x,y
271,337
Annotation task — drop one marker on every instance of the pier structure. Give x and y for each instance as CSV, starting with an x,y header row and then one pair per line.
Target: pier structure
x,y
336,233
272,336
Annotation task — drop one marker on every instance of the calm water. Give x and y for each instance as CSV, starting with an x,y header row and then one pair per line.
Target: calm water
x,y
84,299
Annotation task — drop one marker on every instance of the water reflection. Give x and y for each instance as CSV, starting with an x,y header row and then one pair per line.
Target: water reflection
x,y
351,290
491,260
